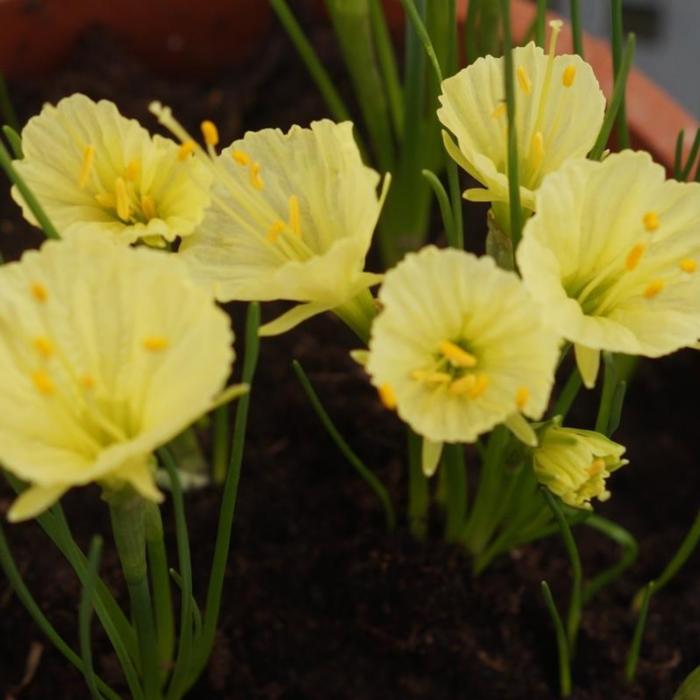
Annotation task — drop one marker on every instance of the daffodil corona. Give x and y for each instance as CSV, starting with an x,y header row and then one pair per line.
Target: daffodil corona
x,y
94,170
459,346
575,464
611,256
106,353
292,218
559,112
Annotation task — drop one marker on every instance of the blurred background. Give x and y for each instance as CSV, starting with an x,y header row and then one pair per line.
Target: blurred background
x,y
668,50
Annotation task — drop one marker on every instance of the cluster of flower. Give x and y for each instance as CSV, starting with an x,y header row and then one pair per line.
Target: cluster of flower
x,y
108,351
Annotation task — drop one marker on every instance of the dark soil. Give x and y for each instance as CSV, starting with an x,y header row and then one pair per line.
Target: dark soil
x,y
320,603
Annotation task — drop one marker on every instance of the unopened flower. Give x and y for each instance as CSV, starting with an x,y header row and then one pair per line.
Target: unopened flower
x,y
611,256
292,218
94,170
460,346
559,112
106,353
575,464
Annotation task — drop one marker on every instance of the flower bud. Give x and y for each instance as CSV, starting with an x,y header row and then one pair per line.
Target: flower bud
x,y
574,464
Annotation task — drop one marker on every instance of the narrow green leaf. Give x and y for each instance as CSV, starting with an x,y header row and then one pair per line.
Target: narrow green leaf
x,y
372,481
635,646
85,611
562,645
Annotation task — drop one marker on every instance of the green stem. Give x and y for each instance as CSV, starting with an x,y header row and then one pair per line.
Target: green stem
x,y
617,42
456,481
512,164
228,501
418,493
32,202
540,19
562,645
568,395
127,511
14,577
576,28
353,28
617,98
471,47
184,652
448,219
387,63
369,477
358,314
85,611
15,141
678,156
481,524
162,596
7,111
221,440
607,396
573,619
692,156
636,645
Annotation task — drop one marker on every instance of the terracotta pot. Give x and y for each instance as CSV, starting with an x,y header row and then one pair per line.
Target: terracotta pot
x,y
655,118
183,36
35,35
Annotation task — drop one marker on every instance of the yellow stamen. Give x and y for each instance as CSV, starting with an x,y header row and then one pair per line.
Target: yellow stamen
x,y
210,133
653,288
688,265
255,177
294,216
43,382
187,148
537,148
275,230
106,199
482,383
634,256
569,76
524,80
155,343
39,291
148,207
387,396
44,346
88,159
651,221
597,466
87,381
456,355
123,209
464,385
241,157
499,110
133,170
421,375
522,396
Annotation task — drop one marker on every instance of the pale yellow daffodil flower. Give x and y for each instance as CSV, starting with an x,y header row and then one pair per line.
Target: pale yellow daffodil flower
x,y
106,353
459,347
94,170
292,218
611,256
559,112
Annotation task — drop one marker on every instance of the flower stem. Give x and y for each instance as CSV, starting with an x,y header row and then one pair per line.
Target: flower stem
x,y
128,511
358,314
163,604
